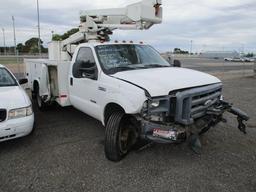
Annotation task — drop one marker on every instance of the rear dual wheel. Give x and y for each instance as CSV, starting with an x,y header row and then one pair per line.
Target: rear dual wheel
x,y
41,105
121,135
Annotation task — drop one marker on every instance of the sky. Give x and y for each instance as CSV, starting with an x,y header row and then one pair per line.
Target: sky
x,y
211,25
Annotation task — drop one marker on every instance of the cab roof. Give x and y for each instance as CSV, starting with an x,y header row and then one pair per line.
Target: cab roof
x,y
96,43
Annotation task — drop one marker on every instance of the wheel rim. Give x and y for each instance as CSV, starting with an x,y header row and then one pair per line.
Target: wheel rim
x,y
123,140
127,136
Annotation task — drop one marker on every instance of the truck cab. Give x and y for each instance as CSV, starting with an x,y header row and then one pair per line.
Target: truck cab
x,y
101,74
94,68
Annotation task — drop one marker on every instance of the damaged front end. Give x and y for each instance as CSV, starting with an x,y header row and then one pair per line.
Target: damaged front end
x,y
186,114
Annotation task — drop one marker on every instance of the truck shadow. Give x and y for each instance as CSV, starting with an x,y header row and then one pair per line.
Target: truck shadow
x,y
67,127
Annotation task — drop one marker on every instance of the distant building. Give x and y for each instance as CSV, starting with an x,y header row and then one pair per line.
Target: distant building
x,y
219,54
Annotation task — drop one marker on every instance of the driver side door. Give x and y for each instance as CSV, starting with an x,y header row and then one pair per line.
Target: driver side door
x,y
83,83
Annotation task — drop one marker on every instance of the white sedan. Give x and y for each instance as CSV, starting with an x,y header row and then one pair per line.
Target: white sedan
x,y
16,114
235,59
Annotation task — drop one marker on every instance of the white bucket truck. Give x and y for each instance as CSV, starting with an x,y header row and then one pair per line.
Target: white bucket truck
x,y
128,86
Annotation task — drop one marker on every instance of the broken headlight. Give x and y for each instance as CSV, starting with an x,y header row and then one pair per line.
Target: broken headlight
x,y
156,106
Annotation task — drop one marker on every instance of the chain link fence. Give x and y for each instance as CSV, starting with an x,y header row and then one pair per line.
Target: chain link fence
x,y
215,66
254,69
16,63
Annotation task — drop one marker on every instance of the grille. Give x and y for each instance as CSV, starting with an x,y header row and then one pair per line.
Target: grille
x,y
2,115
193,103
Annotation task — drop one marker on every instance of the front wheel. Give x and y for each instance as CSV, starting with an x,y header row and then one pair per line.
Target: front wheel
x,y
121,134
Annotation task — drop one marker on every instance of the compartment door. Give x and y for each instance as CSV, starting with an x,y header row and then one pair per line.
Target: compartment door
x,y
45,89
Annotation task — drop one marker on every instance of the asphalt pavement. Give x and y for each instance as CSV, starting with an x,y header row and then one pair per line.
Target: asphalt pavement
x,y
66,153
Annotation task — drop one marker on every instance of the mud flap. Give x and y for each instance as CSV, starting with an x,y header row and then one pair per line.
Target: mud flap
x,y
195,143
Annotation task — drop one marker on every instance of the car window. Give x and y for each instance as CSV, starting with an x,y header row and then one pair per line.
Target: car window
x,y
85,63
6,79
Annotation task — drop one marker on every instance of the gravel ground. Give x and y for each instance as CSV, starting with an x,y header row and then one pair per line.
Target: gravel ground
x,y
66,153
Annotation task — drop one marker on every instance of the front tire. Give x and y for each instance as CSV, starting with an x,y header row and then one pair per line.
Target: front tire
x,y
121,134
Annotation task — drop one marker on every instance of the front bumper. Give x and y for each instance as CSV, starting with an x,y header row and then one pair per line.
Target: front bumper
x,y
175,132
160,133
14,128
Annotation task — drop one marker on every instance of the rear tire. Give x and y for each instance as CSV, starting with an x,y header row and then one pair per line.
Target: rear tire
x,y
41,105
121,134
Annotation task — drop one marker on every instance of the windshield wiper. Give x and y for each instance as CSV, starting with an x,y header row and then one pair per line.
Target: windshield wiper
x,y
127,68
120,68
155,66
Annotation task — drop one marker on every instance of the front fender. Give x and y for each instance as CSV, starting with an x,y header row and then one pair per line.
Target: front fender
x,y
124,94
131,104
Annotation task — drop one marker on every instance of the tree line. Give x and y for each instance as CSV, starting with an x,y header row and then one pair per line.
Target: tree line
x,y
31,46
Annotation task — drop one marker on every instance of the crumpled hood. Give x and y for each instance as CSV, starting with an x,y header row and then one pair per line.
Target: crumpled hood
x,y
160,81
13,97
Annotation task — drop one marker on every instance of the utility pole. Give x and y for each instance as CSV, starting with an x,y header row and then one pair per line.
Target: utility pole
x,y
14,35
4,41
15,45
243,49
52,33
38,25
191,47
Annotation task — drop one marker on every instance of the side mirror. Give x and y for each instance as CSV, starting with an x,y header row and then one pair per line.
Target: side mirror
x,y
176,63
89,73
23,81
169,60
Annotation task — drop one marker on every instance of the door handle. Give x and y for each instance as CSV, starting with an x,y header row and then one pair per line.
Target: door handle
x,y
71,81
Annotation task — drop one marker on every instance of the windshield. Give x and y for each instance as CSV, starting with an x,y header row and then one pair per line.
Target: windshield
x,y
115,58
6,79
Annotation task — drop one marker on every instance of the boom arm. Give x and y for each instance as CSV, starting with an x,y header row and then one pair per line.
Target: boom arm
x,y
99,24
